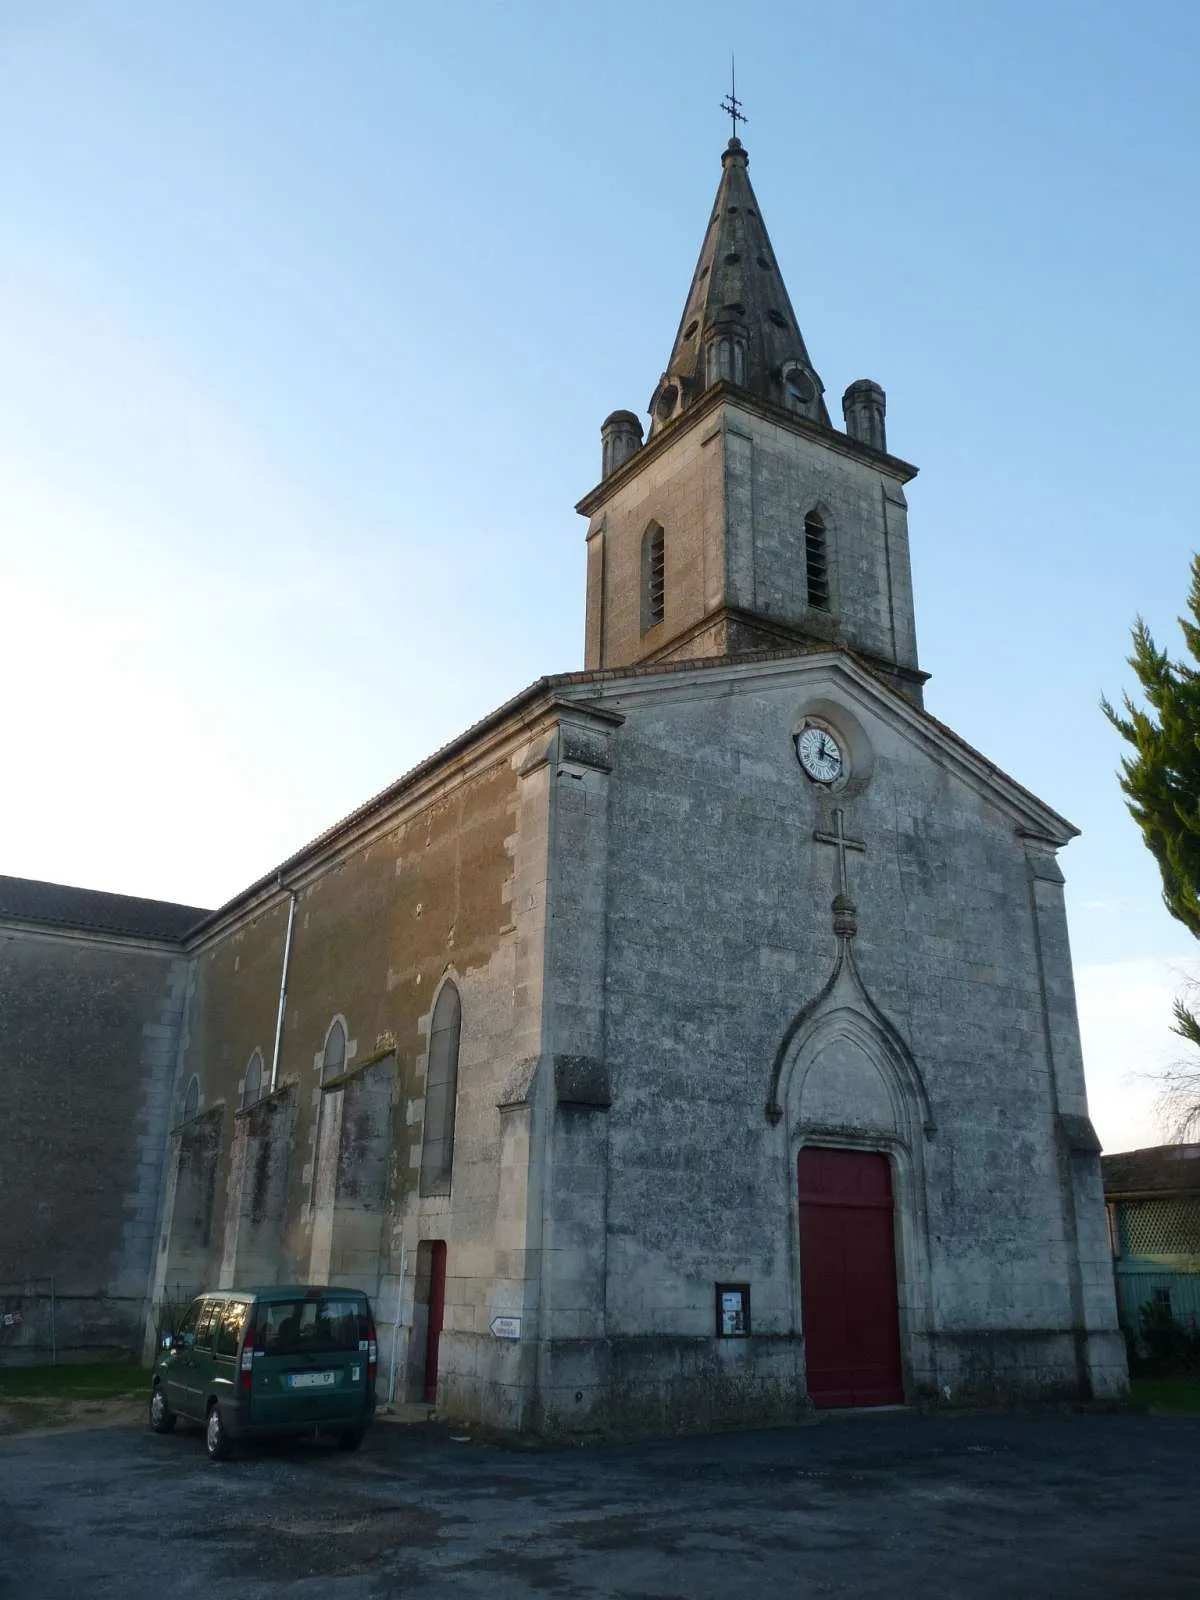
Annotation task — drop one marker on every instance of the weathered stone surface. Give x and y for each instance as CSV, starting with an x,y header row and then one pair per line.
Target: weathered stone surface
x,y
88,1025
959,983
581,1081
731,486
673,979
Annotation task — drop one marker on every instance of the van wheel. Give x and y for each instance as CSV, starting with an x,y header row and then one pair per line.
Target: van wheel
x,y
162,1418
352,1438
216,1440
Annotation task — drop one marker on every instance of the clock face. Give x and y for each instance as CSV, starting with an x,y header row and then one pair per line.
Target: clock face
x,y
819,754
799,385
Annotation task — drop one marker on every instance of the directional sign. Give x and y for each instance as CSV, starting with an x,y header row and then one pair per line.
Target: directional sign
x,y
506,1327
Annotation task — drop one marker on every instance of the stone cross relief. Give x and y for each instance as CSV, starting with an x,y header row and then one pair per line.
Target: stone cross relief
x,y
844,924
841,844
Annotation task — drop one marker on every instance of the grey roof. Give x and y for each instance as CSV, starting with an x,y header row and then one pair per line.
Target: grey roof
x,y
58,905
737,283
1160,1169
547,689
53,904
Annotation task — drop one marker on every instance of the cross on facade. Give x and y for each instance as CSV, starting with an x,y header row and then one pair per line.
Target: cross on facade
x,y
731,105
841,844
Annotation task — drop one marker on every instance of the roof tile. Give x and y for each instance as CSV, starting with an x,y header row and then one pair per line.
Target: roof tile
x,y
58,905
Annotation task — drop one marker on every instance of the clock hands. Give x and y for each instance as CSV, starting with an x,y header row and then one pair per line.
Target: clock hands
x,y
819,754
828,752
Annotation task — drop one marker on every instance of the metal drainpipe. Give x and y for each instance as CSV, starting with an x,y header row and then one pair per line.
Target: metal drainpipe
x,y
283,980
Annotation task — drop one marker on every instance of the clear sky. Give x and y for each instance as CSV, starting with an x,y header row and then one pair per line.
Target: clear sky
x,y
310,312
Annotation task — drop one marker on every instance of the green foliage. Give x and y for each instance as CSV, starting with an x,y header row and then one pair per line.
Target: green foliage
x,y
1160,779
1165,1346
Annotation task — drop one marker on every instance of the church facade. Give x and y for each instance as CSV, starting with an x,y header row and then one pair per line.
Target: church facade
x,y
691,1042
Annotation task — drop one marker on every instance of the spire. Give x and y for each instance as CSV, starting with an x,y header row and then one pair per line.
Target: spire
x,y
738,322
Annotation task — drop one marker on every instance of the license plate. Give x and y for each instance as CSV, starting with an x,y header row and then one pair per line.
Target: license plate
x,y
311,1380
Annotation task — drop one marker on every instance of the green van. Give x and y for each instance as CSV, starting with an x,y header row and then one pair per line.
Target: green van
x,y
260,1363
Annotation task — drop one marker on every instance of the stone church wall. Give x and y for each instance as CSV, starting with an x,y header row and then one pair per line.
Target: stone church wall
x,y
774,479
259,1157
719,934
320,1181
731,491
682,489
88,1030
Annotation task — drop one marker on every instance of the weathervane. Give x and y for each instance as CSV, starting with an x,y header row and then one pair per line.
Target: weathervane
x,y
731,104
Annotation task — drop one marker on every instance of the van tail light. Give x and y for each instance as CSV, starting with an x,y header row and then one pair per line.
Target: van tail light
x,y
372,1353
247,1372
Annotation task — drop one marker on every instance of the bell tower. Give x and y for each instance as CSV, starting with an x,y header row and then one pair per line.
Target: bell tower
x,y
746,521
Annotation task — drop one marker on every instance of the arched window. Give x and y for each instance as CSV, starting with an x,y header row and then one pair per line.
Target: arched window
x,y
191,1099
333,1061
654,576
816,561
252,1084
441,1091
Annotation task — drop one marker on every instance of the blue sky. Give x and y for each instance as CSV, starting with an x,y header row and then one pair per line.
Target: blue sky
x,y
309,314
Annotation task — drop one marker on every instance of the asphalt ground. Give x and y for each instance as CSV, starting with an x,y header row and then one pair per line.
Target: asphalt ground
x,y
1063,1504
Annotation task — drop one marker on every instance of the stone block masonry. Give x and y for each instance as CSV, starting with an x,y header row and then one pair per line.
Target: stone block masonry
x,y
88,1029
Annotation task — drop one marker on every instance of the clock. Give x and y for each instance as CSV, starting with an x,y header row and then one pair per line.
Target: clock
x,y
819,753
799,385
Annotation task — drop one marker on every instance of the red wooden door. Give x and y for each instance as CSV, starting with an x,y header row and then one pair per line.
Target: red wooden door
x,y
437,1311
848,1279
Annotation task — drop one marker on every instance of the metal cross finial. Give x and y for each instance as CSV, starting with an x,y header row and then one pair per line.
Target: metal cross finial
x,y
841,843
731,104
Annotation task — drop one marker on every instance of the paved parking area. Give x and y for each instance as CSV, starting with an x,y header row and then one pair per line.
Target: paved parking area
x,y
894,1505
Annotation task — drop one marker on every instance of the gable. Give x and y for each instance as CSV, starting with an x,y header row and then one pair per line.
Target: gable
x,y
878,723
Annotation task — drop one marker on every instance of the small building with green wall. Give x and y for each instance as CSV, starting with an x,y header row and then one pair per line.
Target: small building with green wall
x,y
1153,1200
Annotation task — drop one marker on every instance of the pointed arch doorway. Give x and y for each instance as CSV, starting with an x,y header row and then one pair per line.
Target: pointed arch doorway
x,y
849,1302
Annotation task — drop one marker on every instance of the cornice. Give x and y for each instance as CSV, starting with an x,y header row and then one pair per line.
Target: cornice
x,y
710,402
144,944
790,638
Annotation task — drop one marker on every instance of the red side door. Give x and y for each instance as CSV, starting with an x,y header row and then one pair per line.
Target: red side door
x,y
437,1312
848,1279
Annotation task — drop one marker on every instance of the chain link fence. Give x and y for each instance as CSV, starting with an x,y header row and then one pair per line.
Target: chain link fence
x,y
171,1305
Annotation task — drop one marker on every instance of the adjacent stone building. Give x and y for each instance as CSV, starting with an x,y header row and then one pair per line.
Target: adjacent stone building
x,y
92,990
694,1039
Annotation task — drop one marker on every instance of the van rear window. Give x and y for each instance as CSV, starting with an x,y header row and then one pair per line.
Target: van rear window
x,y
296,1327
228,1334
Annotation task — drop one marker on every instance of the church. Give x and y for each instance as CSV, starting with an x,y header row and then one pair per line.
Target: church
x,y
690,1043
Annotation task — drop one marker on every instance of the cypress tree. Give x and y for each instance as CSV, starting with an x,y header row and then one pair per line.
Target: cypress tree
x,y
1160,778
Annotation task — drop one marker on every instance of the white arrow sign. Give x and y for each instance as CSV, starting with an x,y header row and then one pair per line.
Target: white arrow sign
x,y
506,1327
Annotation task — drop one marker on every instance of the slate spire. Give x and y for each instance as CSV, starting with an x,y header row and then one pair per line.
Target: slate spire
x,y
738,322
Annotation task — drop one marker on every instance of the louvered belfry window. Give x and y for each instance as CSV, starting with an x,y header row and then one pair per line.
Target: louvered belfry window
x,y
654,576
816,561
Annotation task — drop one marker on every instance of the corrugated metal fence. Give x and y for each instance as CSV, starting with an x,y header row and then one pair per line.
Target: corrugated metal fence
x,y
1174,1289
